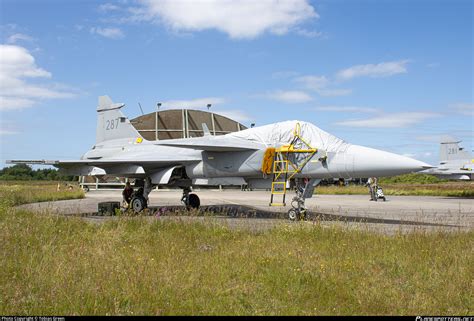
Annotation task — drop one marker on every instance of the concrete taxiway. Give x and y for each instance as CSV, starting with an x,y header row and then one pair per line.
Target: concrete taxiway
x,y
249,209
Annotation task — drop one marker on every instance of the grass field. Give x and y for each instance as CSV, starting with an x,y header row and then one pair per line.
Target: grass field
x,y
54,265
22,192
452,189
409,184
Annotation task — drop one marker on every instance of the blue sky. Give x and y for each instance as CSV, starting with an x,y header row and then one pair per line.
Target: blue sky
x,y
394,75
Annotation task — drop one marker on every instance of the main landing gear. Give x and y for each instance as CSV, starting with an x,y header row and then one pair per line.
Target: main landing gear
x,y
178,179
190,200
138,202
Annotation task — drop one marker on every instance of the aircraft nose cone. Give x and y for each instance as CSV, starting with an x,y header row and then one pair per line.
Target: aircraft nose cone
x,y
373,162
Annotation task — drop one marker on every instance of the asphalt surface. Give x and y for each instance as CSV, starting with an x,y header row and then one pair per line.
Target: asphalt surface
x,y
250,210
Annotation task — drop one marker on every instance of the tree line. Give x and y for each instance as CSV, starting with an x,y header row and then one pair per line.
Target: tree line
x,y
23,172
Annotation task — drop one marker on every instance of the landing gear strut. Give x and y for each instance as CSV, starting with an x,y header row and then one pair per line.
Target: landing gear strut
x,y
190,200
304,190
139,199
298,211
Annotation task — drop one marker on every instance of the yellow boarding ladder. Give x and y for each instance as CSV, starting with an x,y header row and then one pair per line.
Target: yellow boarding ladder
x,y
286,165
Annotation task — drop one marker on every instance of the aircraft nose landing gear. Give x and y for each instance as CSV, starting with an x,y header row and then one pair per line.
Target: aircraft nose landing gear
x,y
298,212
304,190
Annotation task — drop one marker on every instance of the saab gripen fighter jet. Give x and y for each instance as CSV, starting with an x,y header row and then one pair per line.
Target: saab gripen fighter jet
x,y
455,162
264,157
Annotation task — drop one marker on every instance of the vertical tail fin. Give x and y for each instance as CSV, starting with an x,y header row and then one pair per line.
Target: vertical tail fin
x,y
112,123
450,150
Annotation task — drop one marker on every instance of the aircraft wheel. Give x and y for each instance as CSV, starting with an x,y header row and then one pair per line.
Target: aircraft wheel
x,y
138,204
293,214
193,201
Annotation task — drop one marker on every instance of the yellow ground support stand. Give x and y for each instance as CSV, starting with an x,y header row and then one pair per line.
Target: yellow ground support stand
x,y
285,166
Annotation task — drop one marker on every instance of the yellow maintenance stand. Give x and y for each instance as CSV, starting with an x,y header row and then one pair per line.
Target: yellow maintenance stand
x,y
285,162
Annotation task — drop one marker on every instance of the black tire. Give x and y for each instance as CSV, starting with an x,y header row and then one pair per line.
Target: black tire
x,y
138,204
293,215
384,199
193,201
86,189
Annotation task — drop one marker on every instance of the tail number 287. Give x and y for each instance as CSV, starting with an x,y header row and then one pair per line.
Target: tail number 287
x,y
112,124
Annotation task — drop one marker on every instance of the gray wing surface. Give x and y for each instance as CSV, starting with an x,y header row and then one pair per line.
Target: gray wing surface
x,y
121,167
102,162
212,144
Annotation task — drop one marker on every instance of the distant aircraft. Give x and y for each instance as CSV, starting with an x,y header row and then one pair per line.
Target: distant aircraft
x,y
455,162
263,157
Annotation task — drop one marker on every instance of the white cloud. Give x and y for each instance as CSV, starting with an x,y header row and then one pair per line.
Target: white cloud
x,y
108,7
288,96
236,115
308,33
240,19
463,108
16,62
347,109
313,82
395,120
320,84
193,103
16,65
111,33
334,92
19,36
15,103
383,69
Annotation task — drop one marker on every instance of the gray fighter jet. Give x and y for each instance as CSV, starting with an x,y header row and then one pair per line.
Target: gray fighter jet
x,y
455,162
265,157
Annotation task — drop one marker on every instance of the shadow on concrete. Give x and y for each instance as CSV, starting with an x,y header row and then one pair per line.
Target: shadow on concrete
x,y
241,211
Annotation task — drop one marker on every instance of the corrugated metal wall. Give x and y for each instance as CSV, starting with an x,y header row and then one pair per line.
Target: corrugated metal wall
x,y
183,123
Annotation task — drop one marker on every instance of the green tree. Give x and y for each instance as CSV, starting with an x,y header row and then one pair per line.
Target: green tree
x,y
24,172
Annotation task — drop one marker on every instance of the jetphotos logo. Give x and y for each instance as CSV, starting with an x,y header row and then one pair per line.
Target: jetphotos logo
x,y
419,318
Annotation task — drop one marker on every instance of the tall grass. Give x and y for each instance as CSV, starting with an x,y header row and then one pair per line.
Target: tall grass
x,y
16,193
413,178
133,266
52,265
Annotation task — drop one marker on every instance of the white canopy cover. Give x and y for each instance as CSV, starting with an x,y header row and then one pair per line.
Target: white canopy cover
x,y
282,133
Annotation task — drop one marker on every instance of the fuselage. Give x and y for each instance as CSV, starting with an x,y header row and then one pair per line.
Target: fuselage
x,y
334,158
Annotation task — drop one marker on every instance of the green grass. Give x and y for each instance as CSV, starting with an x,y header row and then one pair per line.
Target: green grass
x,y
451,189
412,178
55,265
408,184
17,193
